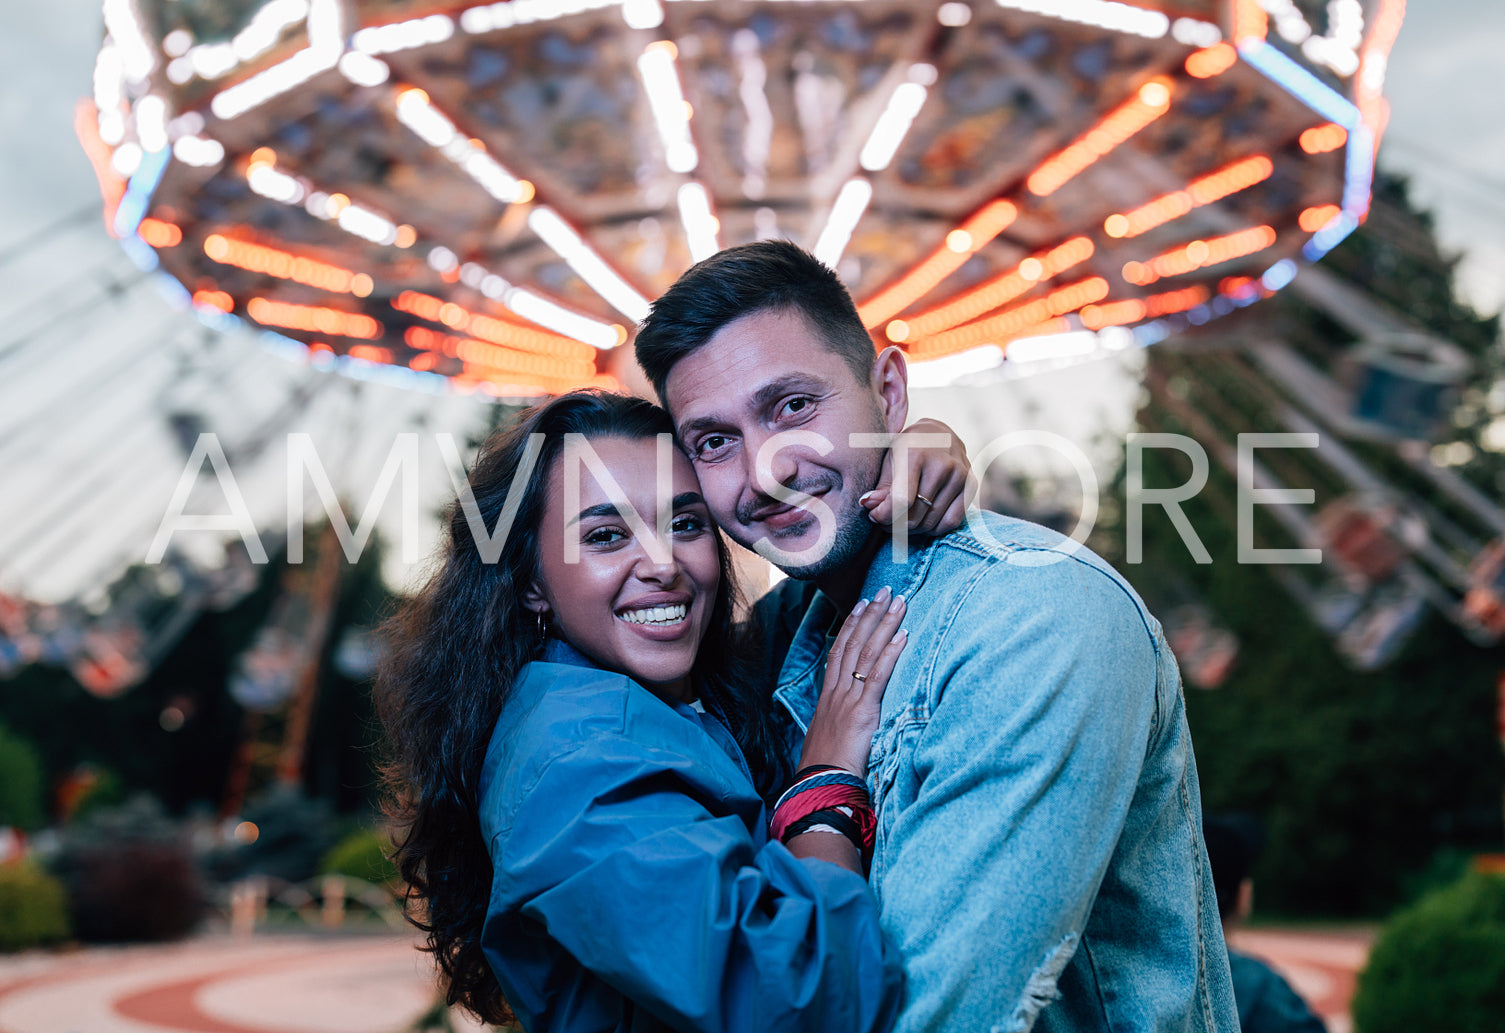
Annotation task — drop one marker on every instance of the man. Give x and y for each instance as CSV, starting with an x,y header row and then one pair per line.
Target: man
x,y
1266,1002
1039,860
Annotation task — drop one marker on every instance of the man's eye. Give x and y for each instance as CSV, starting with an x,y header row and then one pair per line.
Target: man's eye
x,y
797,405
709,445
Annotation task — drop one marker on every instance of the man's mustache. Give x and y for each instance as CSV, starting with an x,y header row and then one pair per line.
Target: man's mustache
x,y
760,504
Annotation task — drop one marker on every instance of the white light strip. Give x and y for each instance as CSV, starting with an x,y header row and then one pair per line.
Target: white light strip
x,y
198,151
1105,14
757,135
123,21
418,32
903,105
951,369
845,214
1195,33
417,112
278,186
700,223
364,223
561,320
363,69
588,265
266,27
151,122
642,14
490,17
272,82
661,83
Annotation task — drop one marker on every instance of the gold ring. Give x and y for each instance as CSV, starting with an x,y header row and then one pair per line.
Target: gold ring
x,y
921,498
859,676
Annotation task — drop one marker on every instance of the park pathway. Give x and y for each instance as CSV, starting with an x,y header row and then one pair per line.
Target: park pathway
x,y
378,983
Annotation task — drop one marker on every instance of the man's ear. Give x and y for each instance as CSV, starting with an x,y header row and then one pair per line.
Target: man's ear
x,y
891,385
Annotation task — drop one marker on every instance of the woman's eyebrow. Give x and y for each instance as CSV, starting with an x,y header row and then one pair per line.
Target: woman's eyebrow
x,y
610,509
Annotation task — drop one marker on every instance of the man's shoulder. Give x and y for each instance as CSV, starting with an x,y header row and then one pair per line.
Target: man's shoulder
x,y
1005,554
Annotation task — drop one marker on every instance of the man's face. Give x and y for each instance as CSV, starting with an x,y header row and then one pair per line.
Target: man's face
x,y
759,377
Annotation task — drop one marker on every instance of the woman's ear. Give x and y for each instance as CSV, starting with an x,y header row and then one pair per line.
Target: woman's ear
x,y
891,385
533,599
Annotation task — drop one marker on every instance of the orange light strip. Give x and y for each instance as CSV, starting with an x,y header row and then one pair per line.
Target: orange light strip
x,y
214,299
1132,310
1249,21
313,318
1313,219
489,328
370,353
496,356
286,266
961,244
998,291
1007,324
1152,101
1213,187
509,384
111,183
1214,60
1323,138
159,234
1199,254
1370,78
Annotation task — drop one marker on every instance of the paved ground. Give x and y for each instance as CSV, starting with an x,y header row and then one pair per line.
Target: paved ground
x,y
379,983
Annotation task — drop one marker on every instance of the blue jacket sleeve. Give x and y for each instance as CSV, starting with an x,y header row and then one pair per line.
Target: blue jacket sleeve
x,y
625,869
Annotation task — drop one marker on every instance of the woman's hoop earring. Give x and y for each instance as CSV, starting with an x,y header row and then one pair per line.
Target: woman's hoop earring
x,y
543,627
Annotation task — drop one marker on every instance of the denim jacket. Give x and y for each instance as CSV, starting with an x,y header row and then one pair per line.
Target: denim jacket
x,y
1039,854
635,888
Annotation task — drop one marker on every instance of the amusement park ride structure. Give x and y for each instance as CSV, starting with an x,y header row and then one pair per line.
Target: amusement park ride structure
x,y
484,199
494,193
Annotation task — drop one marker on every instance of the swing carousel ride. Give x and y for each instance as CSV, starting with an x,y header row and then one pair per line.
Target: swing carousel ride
x,y
494,194
483,200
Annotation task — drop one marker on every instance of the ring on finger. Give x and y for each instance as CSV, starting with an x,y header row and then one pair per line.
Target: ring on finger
x,y
921,498
859,676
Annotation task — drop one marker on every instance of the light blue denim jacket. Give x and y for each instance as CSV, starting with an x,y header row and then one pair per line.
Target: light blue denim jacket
x,y
635,888
1039,855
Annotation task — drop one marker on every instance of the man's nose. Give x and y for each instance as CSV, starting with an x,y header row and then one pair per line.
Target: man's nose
x,y
779,466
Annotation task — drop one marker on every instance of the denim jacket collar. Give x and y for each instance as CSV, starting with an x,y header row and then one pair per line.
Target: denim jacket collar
x,y
798,685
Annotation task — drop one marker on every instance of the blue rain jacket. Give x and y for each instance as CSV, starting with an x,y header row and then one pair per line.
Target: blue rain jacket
x,y
635,887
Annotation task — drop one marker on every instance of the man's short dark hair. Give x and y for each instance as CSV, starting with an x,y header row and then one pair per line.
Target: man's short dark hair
x,y
1233,843
742,280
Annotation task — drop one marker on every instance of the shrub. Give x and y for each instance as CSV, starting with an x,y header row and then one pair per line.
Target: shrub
x,y
33,908
129,875
1439,963
20,782
362,855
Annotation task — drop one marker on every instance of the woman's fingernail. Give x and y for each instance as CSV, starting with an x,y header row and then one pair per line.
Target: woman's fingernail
x,y
882,595
864,498
897,605
861,605
902,636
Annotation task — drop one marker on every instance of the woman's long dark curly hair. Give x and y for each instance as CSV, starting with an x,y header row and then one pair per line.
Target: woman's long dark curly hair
x,y
453,652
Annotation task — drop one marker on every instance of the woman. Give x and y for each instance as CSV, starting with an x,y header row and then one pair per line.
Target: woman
x,y
583,758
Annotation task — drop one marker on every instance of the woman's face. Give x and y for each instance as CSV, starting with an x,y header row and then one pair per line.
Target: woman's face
x,y
609,595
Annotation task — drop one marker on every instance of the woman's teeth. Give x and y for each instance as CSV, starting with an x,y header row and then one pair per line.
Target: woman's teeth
x,y
656,615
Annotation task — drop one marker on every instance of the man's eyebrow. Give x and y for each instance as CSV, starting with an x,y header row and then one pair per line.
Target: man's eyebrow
x,y
761,399
610,509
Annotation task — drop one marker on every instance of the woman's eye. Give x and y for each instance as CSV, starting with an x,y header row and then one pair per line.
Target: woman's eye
x,y
604,536
687,524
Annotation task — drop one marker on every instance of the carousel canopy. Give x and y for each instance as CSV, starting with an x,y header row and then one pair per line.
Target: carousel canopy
x,y
489,197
